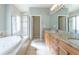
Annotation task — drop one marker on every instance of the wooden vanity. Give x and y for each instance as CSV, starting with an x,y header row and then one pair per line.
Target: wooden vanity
x,y
57,46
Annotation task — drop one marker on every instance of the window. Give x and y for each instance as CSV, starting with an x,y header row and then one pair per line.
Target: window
x,y
13,25
77,24
72,24
25,26
16,25
20,27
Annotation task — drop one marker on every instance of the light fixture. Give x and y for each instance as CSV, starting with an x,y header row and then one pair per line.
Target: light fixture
x,y
53,7
56,6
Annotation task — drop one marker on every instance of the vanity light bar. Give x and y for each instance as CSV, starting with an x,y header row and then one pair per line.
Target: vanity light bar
x,y
56,6
53,7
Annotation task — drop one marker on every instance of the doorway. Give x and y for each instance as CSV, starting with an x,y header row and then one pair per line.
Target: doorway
x,y
36,27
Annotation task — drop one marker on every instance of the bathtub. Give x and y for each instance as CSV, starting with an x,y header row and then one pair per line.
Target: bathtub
x,y
8,44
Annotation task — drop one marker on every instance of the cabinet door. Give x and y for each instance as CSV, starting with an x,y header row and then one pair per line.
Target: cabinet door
x,y
62,51
47,38
54,45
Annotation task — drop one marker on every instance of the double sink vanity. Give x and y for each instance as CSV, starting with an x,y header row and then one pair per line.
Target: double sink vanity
x,y
61,43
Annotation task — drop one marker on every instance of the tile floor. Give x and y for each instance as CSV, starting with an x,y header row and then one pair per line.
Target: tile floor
x,y
38,48
35,47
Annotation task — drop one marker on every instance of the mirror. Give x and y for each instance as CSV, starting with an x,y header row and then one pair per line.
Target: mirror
x,y
73,24
62,23
69,24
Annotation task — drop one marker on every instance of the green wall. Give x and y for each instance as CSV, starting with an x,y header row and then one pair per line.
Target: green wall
x,y
54,17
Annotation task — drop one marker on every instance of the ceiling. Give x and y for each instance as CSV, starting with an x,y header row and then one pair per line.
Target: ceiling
x,y
25,7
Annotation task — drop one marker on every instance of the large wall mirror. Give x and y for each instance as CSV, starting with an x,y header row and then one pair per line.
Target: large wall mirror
x,y
70,22
73,24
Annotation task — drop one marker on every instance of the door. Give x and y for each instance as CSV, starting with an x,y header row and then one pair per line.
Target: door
x,y
36,26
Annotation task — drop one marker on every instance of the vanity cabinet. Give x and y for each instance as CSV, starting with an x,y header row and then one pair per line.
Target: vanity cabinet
x,y
62,48
54,44
47,38
57,46
68,48
62,51
51,42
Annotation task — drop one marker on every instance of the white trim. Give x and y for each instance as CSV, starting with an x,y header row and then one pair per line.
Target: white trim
x,y
31,21
62,15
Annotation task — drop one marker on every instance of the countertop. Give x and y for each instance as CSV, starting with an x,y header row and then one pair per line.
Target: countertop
x,y
66,37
